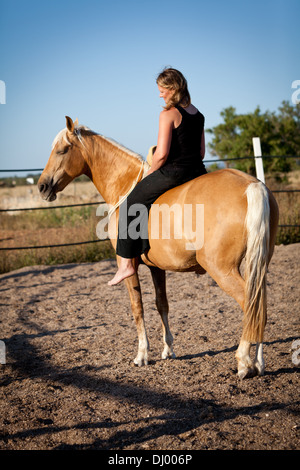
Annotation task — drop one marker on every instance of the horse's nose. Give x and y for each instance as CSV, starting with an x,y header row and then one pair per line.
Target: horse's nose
x,y
43,187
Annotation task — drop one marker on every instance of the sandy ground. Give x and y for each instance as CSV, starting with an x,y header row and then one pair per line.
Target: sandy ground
x,y
69,381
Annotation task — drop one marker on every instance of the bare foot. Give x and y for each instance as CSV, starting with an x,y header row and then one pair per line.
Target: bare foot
x,y
122,274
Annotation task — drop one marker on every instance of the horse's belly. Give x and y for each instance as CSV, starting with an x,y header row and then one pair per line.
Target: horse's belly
x,y
175,237
170,255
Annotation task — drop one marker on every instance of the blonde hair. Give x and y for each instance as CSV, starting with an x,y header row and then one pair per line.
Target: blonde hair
x,y
172,79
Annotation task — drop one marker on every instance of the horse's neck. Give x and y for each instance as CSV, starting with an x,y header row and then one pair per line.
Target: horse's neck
x,y
113,169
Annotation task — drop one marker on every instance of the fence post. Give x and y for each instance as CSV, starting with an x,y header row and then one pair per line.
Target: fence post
x,y
258,160
2,92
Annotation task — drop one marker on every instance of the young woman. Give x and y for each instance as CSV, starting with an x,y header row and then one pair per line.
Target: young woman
x,y
177,159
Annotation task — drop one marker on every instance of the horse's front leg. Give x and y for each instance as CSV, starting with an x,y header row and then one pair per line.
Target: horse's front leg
x,y
159,281
133,286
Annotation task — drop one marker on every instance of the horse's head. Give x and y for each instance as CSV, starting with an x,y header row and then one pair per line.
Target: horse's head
x,y
65,163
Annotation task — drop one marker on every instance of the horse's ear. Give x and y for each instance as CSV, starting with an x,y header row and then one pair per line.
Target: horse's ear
x,y
70,124
76,123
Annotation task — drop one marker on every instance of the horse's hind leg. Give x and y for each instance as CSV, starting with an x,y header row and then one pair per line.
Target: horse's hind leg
x,y
233,284
159,281
246,368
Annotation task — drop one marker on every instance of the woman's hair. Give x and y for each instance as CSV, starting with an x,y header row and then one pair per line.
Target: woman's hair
x,y
172,79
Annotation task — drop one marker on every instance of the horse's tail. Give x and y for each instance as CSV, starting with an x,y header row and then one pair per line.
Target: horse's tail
x,y
256,260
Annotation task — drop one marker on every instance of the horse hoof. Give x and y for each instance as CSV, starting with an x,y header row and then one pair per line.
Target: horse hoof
x,y
140,362
246,372
242,373
168,355
259,369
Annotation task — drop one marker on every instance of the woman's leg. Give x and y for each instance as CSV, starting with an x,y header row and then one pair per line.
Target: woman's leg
x,y
133,229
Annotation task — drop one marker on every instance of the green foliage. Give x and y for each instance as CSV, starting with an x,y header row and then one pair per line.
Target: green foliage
x,y
288,235
279,133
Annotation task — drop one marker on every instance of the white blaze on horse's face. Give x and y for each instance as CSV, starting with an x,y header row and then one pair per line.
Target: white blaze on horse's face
x,y
54,177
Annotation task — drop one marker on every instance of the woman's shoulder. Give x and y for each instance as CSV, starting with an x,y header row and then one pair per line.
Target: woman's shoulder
x,y
170,116
169,113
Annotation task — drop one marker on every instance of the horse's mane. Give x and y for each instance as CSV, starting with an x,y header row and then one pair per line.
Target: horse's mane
x,y
79,131
83,131
123,148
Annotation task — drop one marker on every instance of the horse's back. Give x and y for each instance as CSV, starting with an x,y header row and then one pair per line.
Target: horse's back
x,y
221,190
214,184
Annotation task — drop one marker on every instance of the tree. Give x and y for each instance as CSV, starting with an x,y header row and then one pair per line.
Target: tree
x,y
279,134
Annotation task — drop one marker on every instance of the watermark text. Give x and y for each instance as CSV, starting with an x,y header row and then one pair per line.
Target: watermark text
x,y
166,222
296,95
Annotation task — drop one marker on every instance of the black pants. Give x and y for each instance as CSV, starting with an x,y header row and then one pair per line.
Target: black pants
x,y
133,216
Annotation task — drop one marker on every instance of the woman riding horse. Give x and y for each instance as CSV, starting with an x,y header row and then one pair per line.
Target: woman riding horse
x,y
177,159
241,215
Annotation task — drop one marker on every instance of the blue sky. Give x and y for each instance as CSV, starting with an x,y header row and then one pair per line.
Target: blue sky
x,y
98,61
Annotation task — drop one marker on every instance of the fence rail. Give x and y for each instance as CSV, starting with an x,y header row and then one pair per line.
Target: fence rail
x,y
102,202
35,247
205,161
52,207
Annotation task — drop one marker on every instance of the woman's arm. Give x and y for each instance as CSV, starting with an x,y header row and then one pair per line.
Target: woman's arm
x,y
166,125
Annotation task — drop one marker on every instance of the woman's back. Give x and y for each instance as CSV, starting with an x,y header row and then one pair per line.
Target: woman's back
x,y
185,150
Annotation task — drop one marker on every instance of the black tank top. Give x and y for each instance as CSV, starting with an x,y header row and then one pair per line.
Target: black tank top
x,y
185,150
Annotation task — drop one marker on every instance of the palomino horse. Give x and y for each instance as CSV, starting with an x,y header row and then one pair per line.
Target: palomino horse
x,y
240,222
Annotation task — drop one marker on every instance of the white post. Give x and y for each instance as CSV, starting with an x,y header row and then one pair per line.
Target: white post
x,y
258,160
2,92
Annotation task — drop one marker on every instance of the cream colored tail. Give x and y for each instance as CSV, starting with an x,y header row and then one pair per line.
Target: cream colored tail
x,y
258,234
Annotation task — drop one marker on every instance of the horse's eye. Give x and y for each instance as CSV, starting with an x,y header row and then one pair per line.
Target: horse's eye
x,y
64,150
